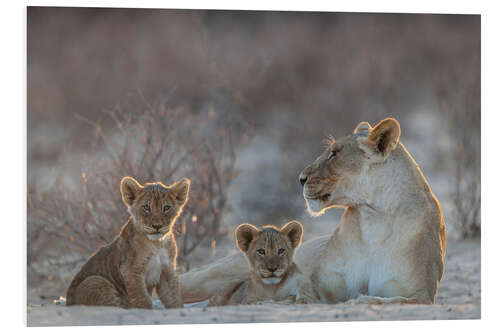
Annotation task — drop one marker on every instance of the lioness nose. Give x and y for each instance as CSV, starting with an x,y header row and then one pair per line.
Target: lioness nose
x,y
156,226
302,179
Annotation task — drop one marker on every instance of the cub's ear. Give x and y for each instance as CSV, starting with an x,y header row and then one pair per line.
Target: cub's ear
x,y
129,187
384,137
293,230
245,233
181,190
362,128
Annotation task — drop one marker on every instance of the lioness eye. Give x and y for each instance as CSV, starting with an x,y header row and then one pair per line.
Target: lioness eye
x,y
332,154
261,252
146,208
281,251
166,208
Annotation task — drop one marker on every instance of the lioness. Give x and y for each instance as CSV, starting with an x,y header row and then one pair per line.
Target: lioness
x,y
390,243
142,257
273,273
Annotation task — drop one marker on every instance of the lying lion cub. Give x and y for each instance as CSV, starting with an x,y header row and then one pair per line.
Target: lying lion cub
x,y
142,257
274,275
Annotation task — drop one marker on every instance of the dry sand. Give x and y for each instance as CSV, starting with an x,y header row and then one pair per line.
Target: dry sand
x,y
459,297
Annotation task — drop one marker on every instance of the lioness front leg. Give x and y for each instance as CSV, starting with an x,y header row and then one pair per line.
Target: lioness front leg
x,y
391,292
329,287
413,295
138,295
168,289
305,292
366,299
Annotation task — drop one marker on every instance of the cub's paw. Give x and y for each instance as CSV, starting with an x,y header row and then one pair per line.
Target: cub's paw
x,y
288,300
60,301
301,300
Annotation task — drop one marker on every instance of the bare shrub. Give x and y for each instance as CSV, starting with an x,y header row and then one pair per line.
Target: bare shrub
x,y
464,119
294,76
150,143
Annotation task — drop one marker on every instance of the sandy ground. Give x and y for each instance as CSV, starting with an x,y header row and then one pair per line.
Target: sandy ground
x,y
459,297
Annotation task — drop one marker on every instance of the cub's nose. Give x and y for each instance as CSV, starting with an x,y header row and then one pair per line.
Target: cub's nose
x,y
157,226
272,269
302,179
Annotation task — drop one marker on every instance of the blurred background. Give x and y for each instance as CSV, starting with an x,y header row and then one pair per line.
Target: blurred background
x,y
239,102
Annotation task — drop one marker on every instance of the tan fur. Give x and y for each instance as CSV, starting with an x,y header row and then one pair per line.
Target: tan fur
x,y
142,258
390,244
273,273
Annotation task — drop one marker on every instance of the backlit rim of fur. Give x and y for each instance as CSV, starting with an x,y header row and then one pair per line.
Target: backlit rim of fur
x,y
311,210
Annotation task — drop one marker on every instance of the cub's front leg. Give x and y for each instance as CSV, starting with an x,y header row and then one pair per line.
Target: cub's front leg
x,y
168,289
232,295
137,293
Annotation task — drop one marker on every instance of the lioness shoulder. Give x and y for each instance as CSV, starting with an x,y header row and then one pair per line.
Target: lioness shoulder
x,y
142,258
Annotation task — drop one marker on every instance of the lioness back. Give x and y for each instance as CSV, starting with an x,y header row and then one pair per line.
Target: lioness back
x,y
142,258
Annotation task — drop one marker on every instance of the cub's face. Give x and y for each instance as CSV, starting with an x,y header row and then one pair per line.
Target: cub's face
x,y
154,206
269,251
338,176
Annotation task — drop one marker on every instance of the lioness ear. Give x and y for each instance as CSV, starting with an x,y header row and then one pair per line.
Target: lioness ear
x,y
363,127
181,190
245,233
293,230
129,188
384,137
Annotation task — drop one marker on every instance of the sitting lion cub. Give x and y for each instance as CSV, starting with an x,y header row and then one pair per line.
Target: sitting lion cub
x,y
142,257
274,275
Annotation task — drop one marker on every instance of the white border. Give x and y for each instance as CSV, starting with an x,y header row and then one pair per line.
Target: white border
x,y
422,6
13,134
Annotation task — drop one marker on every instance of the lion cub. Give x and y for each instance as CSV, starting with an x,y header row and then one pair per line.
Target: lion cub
x,y
142,258
273,273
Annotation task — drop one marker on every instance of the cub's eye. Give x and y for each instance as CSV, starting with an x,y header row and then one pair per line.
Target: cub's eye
x,y
261,252
166,208
281,251
146,208
332,154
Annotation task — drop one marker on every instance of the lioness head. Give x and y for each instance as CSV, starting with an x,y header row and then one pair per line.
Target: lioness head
x,y
340,175
270,250
154,206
